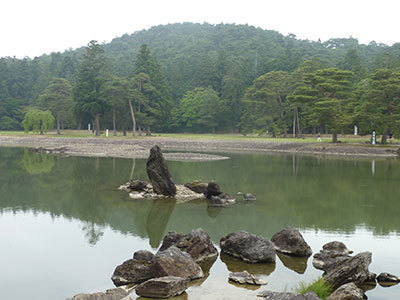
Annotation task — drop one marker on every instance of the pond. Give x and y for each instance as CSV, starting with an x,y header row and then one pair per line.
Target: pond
x,y
64,226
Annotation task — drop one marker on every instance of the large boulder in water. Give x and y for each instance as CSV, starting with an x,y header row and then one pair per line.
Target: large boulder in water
x,y
174,262
134,270
163,287
213,189
158,173
332,253
197,243
353,270
347,291
290,241
248,247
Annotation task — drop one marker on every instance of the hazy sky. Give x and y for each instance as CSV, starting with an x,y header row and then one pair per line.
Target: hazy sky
x,y
33,27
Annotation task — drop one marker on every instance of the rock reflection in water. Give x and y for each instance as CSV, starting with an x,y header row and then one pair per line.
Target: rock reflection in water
x,y
297,264
236,265
205,266
157,220
183,296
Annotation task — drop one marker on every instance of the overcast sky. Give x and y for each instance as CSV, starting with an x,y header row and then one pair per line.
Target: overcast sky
x,y
34,27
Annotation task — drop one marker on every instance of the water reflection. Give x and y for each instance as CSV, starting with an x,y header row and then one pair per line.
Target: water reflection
x,y
157,220
297,264
237,265
37,163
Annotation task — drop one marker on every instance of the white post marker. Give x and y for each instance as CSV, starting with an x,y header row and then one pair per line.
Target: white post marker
x,y
107,132
89,126
355,130
373,137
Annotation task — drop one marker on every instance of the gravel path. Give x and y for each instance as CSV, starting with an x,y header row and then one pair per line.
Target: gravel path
x,y
139,147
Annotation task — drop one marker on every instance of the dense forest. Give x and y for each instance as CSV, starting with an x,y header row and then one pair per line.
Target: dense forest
x,y
207,78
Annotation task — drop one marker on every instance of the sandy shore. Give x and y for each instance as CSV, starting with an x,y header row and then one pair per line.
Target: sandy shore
x,y
139,147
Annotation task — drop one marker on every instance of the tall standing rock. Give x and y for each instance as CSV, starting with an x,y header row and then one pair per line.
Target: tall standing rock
x,y
158,173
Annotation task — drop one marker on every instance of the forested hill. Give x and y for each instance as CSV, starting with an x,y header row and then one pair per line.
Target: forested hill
x,y
226,58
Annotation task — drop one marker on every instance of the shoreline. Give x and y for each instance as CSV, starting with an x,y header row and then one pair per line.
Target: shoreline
x,y
139,147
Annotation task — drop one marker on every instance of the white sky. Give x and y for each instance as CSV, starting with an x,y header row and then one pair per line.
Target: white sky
x,y
34,27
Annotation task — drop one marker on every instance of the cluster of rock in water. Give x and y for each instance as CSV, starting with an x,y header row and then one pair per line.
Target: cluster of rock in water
x,y
186,257
182,258
162,185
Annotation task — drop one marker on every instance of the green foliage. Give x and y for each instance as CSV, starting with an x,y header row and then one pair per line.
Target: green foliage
x,y
38,120
265,103
58,98
199,110
89,83
319,286
326,94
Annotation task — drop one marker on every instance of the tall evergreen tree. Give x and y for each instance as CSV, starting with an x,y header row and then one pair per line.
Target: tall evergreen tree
x,y
89,83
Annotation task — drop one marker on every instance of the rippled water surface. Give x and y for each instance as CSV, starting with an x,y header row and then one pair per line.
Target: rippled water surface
x,y
64,226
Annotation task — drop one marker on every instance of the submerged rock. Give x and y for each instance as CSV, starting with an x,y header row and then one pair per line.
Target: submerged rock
x,y
290,241
163,287
224,200
197,187
111,294
353,270
347,291
248,247
269,295
174,262
387,279
158,173
249,197
197,243
246,278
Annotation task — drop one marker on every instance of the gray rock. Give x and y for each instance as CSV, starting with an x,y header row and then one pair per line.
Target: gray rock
x,y
138,185
197,187
248,247
387,279
112,294
174,262
163,287
170,239
197,243
143,255
336,246
326,259
246,278
269,295
132,271
290,241
353,270
249,197
348,291
213,189
158,173
371,278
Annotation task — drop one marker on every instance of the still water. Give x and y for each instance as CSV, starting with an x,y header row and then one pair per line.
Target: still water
x,y
64,226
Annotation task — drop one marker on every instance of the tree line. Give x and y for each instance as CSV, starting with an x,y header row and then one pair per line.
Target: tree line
x,y
209,78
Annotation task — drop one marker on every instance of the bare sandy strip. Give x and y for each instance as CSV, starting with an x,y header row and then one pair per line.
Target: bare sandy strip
x,y
139,147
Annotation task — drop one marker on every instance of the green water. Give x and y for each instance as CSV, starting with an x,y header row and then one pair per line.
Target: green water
x,y
64,226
